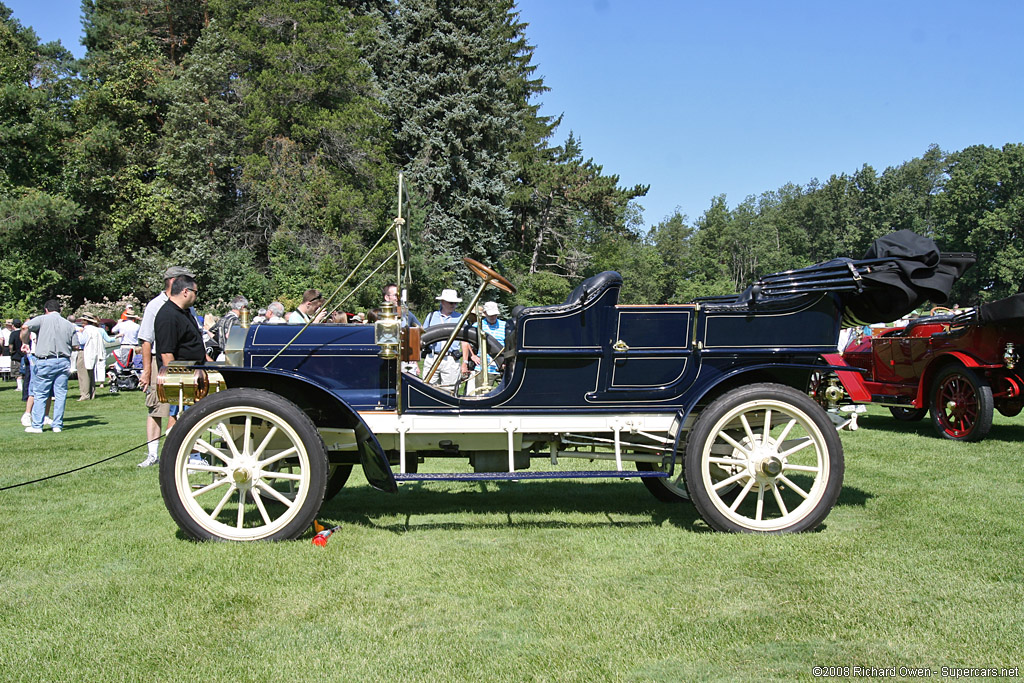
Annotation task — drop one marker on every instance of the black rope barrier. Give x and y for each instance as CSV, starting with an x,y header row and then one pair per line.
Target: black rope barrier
x,y
92,464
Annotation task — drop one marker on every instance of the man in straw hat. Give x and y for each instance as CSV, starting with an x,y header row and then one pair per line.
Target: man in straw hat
x,y
451,366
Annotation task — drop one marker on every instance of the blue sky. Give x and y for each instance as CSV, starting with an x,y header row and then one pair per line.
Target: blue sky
x,y
739,97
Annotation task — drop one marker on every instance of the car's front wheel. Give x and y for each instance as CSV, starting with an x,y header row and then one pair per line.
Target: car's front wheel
x,y
764,458
243,465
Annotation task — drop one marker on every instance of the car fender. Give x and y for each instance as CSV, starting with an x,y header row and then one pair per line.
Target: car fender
x,y
699,391
316,399
935,365
852,379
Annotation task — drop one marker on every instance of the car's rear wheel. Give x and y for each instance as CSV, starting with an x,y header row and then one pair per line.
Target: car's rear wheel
x,y
764,458
243,465
908,414
961,404
670,489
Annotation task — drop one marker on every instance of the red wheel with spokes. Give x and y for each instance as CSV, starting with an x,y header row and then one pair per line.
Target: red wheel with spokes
x,y
961,405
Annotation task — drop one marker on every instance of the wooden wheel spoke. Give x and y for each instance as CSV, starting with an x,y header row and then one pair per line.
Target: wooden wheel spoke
x,y
275,493
789,482
779,501
731,480
742,494
209,487
223,501
278,456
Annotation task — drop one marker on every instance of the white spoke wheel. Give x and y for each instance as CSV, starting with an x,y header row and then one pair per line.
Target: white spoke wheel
x,y
764,458
243,465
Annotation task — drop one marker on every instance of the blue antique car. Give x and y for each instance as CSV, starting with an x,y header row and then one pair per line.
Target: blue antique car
x,y
704,402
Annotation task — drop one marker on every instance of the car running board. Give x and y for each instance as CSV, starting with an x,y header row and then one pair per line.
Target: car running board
x,y
501,476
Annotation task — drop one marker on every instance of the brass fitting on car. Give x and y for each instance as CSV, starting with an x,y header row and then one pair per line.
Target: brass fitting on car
x,y
1009,356
182,383
387,331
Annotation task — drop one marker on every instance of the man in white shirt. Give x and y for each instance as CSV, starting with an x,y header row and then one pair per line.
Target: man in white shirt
x,y
312,300
128,331
275,313
449,371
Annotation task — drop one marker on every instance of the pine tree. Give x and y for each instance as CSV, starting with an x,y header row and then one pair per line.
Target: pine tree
x,y
454,74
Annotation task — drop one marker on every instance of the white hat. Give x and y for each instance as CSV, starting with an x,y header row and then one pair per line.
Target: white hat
x,y
449,295
490,308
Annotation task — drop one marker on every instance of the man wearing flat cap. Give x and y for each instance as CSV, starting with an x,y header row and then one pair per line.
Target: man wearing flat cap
x,y
147,337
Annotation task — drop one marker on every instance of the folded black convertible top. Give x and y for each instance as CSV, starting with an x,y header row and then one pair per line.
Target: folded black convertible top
x,y
898,273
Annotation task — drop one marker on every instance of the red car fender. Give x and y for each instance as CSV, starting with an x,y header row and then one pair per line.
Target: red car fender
x,y
966,360
852,380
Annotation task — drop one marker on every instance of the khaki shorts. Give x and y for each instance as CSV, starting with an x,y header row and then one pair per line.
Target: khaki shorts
x,y
156,408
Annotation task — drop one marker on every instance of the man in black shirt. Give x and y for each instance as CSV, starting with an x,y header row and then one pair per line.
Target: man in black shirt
x,y
176,331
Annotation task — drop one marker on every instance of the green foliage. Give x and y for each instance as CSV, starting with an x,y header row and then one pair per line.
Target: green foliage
x,y
455,79
981,209
256,141
542,288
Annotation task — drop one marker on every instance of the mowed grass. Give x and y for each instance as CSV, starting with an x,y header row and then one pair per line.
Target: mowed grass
x,y
919,565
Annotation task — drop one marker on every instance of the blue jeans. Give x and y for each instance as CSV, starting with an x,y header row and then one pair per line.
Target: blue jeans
x,y
50,374
26,377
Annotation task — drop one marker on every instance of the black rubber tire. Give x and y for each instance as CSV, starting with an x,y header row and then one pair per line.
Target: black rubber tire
x,y
231,408
807,424
971,418
908,414
336,479
666,489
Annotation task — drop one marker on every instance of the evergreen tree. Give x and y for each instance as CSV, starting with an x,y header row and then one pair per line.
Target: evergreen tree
x,y
455,79
39,241
314,180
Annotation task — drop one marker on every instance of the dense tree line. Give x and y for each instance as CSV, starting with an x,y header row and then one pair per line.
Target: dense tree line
x,y
258,142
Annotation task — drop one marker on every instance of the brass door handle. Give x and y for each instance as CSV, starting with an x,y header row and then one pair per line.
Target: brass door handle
x,y
620,346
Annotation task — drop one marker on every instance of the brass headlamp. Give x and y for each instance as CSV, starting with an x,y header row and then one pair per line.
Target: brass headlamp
x,y
387,331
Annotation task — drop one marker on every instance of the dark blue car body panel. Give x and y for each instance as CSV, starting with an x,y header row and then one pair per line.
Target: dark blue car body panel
x,y
588,356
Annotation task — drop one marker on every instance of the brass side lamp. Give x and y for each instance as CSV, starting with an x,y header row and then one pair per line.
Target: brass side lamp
x,y
387,331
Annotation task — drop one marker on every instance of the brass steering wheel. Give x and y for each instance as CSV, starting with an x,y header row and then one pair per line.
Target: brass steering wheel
x,y
489,276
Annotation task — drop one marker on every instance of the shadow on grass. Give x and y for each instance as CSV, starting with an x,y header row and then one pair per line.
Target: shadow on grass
x,y
365,507
924,427
82,421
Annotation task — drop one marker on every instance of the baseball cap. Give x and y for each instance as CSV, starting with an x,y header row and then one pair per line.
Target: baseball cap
x,y
176,271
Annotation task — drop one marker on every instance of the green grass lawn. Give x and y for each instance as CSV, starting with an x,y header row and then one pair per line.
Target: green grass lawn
x,y
919,565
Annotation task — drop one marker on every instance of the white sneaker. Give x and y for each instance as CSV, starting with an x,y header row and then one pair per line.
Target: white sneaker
x,y
33,430
56,429
26,420
196,459
149,461
47,421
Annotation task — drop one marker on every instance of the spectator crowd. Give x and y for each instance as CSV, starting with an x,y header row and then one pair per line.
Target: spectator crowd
x,y
42,352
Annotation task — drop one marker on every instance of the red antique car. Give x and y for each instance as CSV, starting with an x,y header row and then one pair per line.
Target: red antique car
x,y
960,367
